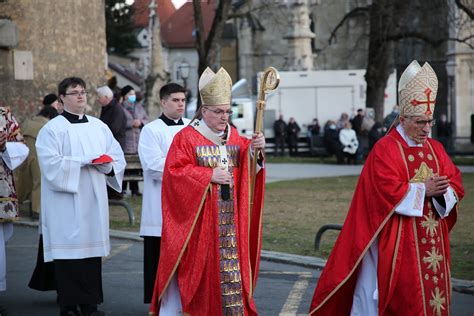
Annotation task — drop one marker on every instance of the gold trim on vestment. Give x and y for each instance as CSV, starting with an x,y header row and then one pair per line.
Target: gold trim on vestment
x,y
447,278
397,245
415,233
248,229
203,199
356,264
369,244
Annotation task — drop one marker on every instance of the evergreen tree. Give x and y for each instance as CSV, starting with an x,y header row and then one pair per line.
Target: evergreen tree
x,y
119,27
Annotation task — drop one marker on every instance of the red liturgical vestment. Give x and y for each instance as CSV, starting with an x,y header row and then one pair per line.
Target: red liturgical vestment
x,y
211,239
413,267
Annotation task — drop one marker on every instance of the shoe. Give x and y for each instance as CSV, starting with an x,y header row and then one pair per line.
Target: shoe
x,y
69,311
136,193
3,311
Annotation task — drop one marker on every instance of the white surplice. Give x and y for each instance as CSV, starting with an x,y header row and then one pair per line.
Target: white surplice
x,y
155,141
74,202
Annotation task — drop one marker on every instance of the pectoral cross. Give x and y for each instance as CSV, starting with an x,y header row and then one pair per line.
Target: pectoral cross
x,y
415,102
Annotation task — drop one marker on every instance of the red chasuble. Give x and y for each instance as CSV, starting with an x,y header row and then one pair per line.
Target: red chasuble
x,y
413,252
212,244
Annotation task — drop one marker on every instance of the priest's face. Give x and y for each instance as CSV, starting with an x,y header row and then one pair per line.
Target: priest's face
x,y
216,116
75,99
173,105
417,127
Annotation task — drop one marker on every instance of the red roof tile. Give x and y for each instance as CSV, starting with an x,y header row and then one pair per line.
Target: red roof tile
x,y
165,9
177,31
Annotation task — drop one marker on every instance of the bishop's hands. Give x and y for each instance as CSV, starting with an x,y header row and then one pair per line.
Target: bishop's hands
x,y
221,176
258,141
436,185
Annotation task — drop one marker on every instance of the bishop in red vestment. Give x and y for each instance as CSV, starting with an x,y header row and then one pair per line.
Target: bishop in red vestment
x,y
393,255
211,236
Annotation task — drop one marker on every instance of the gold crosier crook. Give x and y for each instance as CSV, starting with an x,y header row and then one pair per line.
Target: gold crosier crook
x,y
270,81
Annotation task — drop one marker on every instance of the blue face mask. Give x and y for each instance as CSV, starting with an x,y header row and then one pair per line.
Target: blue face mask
x,y
132,98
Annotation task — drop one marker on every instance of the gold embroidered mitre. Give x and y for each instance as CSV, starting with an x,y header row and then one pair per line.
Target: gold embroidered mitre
x,y
417,90
215,88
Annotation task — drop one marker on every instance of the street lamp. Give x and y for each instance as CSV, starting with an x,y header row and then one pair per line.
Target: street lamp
x,y
184,73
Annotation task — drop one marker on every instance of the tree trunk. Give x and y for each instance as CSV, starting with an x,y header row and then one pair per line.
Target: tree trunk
x,y
208,48
380,57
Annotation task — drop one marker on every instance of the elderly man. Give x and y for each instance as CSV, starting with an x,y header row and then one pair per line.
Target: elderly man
x,y
211,235
392,256
112,114
77,155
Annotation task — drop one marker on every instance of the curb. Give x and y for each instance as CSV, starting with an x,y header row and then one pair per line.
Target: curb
x,y
460,286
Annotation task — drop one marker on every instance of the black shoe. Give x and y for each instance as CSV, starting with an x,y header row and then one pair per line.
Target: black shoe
x,y
69,311
3,311
91,310
136,193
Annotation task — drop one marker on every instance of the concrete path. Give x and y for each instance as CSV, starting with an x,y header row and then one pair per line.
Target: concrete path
x,y
290,171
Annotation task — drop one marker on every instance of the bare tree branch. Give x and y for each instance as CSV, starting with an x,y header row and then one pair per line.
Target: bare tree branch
x,y
468,10
356,12
418,35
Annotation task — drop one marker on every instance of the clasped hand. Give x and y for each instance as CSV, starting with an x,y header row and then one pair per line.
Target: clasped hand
x,y
221,176
436,185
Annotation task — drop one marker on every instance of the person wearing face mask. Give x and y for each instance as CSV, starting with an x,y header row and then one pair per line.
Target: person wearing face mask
x,y
392,256
136,119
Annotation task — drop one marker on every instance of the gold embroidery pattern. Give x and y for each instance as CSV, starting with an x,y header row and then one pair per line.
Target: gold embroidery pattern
x,y
430,224
437,301
430,157
433,259
209,156
411,158
422,173
231,282
421,155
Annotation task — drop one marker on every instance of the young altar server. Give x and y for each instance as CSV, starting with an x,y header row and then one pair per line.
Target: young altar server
x,y
78,156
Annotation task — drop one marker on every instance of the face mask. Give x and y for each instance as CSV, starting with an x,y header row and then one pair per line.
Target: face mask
x,y
332,126
132,98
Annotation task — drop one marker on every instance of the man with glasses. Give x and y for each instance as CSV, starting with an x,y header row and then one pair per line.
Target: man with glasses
x,y
78,156
392,256
211,234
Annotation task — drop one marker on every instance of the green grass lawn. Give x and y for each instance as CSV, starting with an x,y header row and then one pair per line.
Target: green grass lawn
x,y
294,211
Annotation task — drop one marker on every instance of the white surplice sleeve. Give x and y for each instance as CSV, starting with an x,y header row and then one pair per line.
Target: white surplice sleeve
x,y
412,204
151,155
118,164
61,173
15,153
450,201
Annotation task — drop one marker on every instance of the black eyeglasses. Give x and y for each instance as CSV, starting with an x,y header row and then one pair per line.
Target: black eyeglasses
x,y
77,93
220,112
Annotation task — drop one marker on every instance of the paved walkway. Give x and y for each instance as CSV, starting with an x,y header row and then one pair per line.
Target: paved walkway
x,y
290,171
